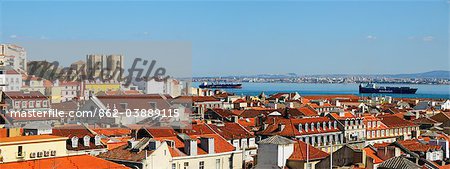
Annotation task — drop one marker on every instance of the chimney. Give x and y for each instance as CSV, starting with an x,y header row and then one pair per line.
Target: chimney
x,y
190,147
281,126
235,118
132,143
265,125
153,144
207,144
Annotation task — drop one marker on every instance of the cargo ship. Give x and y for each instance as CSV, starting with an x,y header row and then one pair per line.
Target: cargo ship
x,y
372,88
225,85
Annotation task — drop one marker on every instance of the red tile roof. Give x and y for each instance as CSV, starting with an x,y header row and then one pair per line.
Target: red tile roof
x,y
250,113
291,127
424,120
137,101
25,95
416,146
72,130
314,105
112,131
231,131
301,150
373,154
196,99
30,138
346,115
161,132
393,121
222,112
77,161
330,97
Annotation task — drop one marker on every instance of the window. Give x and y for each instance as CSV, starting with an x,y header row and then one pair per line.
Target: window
x,y
53,153
17,104
174,166
74,141
38,104
86,140
40,154
217,163
31,104
44,103
32,155
97,140
201,165
186,165
24,104
19,151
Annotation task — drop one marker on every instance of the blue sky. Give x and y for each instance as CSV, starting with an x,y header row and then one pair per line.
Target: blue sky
x,y
252,37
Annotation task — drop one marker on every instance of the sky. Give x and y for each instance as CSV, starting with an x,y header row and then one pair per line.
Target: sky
x,y
251,37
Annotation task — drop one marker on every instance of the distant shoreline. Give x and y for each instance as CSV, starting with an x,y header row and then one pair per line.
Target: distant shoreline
x,y
400,83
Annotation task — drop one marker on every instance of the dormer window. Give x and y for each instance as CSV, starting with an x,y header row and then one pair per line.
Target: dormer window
x,y
369,124
324,126
312,126
318,125
86,140
300,127
74,141
306,127
97,140
329,124
335,124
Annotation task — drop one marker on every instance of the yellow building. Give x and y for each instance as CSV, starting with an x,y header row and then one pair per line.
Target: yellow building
x,y
95,87
22,148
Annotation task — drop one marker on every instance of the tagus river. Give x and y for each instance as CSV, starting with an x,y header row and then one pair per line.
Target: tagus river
x,y
424,90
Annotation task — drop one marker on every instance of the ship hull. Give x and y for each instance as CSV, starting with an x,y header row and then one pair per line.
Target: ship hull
x,y
394,90
228,86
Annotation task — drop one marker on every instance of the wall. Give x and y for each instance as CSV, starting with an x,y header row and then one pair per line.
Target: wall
x,y
9,151
210,160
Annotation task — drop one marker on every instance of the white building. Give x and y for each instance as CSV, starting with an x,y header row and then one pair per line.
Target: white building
x,y
274,152
13,56
169,86
445,105
10,80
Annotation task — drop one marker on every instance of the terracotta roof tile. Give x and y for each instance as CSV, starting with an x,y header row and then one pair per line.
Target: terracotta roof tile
x,y
300,152
393,121
231,131
77,161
